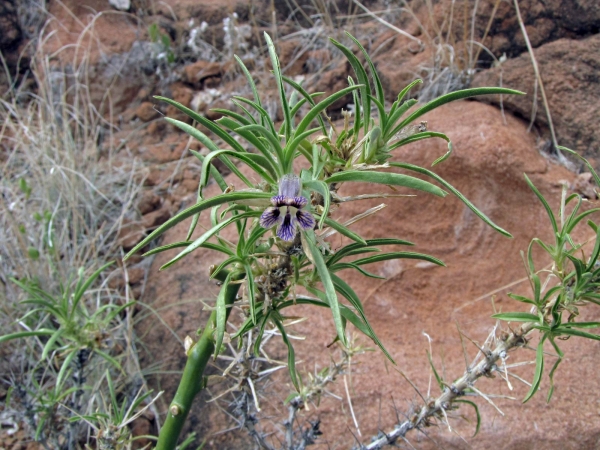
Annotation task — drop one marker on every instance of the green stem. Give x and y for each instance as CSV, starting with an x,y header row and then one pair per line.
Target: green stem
x,y
191,380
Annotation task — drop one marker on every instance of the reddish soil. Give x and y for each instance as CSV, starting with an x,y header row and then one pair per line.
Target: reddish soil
x,y
488,165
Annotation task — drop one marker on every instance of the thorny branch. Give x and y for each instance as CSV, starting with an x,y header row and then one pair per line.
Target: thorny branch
x,y
245,404
436,408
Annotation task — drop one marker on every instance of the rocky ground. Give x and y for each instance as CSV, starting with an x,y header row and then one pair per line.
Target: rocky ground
x,y
493,149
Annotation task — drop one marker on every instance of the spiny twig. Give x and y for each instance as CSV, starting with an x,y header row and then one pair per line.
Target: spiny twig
x,y
437,408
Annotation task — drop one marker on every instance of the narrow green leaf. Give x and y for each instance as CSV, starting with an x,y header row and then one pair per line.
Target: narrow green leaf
x,y
261,331
83,287
548,295
58,386
474,405
438,379
595,252
207,235
231,119
269,136
457,95
47,307
346,312
249,78
381,111
321,188
250,134
250,161
251,118
223,265
321,106
405,91
347,265
520,298
571,219
343,288
569,331
452,189
344,230
345,251
291,355
544,203
247,325
50,343
309,98
198,134
363,81
212,126
255,235
251,291
116,311
585,161
387,178
554,367
374,74
278,78
517,317
584,325
109,359
291,147
180,244
323,272
578,264
230,197
24,334
539,370
220,182
221,308
266,120
425,135
547,248
397,255
537,289
390,131
578,219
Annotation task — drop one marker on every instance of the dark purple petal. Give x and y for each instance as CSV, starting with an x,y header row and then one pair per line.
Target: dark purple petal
x,y
287,229
289,185
279,200
298,202
271,217
305,219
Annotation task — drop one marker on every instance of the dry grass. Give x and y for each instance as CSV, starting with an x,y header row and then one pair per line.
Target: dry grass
x,y
63,202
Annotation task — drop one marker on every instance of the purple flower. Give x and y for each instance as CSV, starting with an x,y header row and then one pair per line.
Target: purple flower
x,y
286,211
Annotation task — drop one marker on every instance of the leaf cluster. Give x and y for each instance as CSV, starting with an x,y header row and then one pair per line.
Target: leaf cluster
x,y
70,334
576,276
271,268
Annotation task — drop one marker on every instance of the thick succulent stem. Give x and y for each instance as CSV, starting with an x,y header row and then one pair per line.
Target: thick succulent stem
x,y
191,379
437,407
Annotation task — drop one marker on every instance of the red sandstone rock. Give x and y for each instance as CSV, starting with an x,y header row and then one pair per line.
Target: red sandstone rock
x,y
197,72
148,202
156,218
569,70
487,166
131,233
146,112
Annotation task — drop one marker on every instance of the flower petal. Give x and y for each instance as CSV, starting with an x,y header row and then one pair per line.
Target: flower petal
x,y
271,216
290,185
298,202
305,219
279,200
287,229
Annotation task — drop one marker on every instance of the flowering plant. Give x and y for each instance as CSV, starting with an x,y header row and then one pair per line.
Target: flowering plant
x,y
282,246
